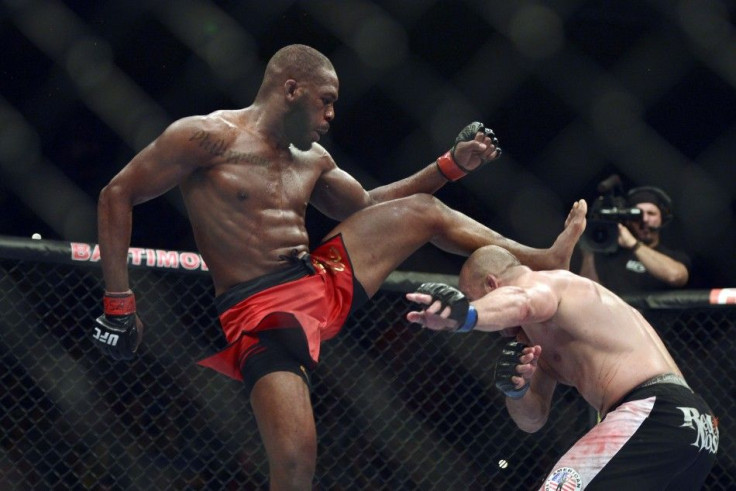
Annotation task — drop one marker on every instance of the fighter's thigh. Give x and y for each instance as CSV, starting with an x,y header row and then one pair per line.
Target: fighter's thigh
x,y
380,237
283,411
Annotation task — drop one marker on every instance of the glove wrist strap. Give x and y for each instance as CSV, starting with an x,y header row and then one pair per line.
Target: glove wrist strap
x,y
470,320
450,169
517,393
119,303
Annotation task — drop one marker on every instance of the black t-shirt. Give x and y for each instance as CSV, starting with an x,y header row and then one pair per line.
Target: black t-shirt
x,y
622,273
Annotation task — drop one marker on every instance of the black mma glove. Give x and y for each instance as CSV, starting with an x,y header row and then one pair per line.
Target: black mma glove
x,y
116,331
506,368
460,308
448,166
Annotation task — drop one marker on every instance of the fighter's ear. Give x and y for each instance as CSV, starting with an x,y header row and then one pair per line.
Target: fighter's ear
x,y
290,88
490,283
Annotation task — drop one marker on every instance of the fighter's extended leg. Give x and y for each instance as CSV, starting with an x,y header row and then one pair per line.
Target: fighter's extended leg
x,y
555,257
380,237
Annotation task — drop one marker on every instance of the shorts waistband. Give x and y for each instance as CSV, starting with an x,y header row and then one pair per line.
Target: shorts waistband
x,y
299,267
665,378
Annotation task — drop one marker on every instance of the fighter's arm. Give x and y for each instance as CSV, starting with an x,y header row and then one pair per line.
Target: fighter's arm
x,y
531,411
504,307
159,167
474,146
659,265
153,171
448,308
337,194
510,306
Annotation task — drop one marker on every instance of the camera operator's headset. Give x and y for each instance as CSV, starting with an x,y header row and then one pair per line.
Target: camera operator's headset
x,y
651,194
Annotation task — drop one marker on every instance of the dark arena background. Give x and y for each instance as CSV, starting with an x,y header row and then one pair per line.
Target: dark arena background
x,y
576,91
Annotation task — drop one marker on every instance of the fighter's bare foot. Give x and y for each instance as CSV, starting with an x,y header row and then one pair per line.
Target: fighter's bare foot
x,y
561,250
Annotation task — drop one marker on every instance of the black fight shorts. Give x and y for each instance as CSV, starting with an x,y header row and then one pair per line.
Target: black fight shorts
x,y
661,436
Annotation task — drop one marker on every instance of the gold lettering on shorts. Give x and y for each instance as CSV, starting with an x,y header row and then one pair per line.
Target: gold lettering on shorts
x,y
335,260
318,266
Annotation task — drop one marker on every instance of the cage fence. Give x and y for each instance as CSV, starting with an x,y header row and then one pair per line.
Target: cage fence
x,y
396,407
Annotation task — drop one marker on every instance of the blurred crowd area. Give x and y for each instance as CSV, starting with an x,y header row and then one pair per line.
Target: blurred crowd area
x,y
575,90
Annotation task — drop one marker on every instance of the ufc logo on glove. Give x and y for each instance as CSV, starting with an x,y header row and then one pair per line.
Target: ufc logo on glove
x,y
105,337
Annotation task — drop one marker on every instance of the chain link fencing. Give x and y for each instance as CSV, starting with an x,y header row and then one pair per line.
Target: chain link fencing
x,y
396,407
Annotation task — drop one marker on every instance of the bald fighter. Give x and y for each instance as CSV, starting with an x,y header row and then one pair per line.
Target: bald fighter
x,y
656,433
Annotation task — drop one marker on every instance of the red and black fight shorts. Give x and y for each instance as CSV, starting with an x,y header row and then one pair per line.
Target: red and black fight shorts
x,y
277,322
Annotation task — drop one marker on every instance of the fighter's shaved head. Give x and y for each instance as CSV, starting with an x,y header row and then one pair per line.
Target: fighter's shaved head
x,y
487,260
296,61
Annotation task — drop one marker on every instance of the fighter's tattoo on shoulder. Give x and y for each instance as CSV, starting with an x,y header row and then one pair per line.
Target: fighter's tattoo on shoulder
x,y
217,147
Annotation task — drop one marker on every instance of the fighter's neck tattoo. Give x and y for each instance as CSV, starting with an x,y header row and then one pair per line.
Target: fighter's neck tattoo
x,y
217,147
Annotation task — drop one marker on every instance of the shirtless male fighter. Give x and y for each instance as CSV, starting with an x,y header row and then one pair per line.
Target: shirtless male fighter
x,y
655,433
247,177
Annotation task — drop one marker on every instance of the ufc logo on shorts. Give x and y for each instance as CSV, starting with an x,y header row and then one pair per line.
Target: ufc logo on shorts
x,y
105,337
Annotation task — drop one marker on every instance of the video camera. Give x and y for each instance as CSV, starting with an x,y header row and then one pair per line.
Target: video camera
x,y
608,210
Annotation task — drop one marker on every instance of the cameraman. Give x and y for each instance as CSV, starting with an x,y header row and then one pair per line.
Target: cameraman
x,y
640,263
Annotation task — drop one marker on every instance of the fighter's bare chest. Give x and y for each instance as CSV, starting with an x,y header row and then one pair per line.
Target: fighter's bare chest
x,y
280,181
552,360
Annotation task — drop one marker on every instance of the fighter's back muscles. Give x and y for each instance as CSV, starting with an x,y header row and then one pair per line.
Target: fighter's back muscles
x,y
598,343
590,338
